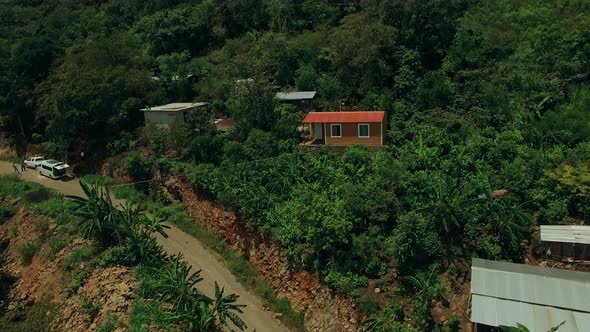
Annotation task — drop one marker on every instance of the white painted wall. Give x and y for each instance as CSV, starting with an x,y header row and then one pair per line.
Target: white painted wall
x,y
164,118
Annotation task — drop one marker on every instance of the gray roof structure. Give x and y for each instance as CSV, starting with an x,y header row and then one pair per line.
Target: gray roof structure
x,y
504,294
175,107
565,233
297,95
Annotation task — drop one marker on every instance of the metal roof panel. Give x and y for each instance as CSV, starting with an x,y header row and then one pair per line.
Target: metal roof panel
x,y
531,284
566,233
296,95
345,117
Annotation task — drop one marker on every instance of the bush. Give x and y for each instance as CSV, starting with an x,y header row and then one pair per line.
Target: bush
x,y
137,168
6,212
39,195
117,255
78,279
555,211
111,324
26,252
56,244
414,240
82,254
6,282
454,324
146,313
345,283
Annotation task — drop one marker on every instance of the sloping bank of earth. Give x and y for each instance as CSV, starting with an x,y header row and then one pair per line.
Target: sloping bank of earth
x,y
323,310
43,292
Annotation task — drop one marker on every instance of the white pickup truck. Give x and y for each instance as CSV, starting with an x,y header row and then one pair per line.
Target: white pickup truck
x,y
34,162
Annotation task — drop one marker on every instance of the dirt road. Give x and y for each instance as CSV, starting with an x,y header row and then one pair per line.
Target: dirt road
x,y
195,253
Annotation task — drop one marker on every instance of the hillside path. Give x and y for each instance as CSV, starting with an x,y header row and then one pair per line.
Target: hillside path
x,y
195,253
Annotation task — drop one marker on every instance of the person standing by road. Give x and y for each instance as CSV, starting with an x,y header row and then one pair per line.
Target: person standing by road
x,y
15,168
23,166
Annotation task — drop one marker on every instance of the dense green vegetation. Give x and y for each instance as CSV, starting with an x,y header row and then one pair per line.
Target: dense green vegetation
x,y
481,96
119,237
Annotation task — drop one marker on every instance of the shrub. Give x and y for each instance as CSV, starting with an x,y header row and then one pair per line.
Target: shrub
x,y
414,240
117,255
345,283
555,211
6,282
41,226
137,168
454,324
89,308
39,195
26,252
6,212
367,303
82,254
110,325
78,279
145,313
56,244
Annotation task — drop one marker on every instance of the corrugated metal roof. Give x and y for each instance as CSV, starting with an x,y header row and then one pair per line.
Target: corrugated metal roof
x,y
174,107
500,312
566,233
345,117
506,293
296,95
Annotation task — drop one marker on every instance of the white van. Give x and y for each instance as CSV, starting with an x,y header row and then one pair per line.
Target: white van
x,y
52,168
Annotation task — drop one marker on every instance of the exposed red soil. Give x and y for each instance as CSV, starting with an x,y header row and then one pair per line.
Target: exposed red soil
x,y
110,289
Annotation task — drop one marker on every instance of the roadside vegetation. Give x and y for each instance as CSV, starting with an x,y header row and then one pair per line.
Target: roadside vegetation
x,y
175,213
488,126
117,237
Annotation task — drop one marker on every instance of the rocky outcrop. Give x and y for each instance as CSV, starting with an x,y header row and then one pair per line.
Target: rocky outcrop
x,y
324,310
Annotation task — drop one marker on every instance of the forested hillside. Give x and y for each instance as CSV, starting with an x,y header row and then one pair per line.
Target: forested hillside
x,y
488,105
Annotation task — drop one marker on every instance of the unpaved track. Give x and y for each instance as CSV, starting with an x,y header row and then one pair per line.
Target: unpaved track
x,y
194,252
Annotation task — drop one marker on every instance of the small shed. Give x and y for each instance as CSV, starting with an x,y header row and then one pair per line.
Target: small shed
x,y
171,114
540,298
346,128
302,100
567,242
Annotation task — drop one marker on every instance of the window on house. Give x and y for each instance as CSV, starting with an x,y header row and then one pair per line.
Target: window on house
x,y
336,130
364,130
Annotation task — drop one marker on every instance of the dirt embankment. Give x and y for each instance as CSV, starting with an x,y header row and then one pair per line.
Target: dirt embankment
x,y
105,294
324,311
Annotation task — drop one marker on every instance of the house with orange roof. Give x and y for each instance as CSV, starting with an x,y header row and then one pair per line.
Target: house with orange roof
x,y
345,128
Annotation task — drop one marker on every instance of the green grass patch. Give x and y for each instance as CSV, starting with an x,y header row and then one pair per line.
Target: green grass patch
x,y
54,207
56,244
130,194
98,180
26,252
11,185
110,324
80,255
145,313
30,318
